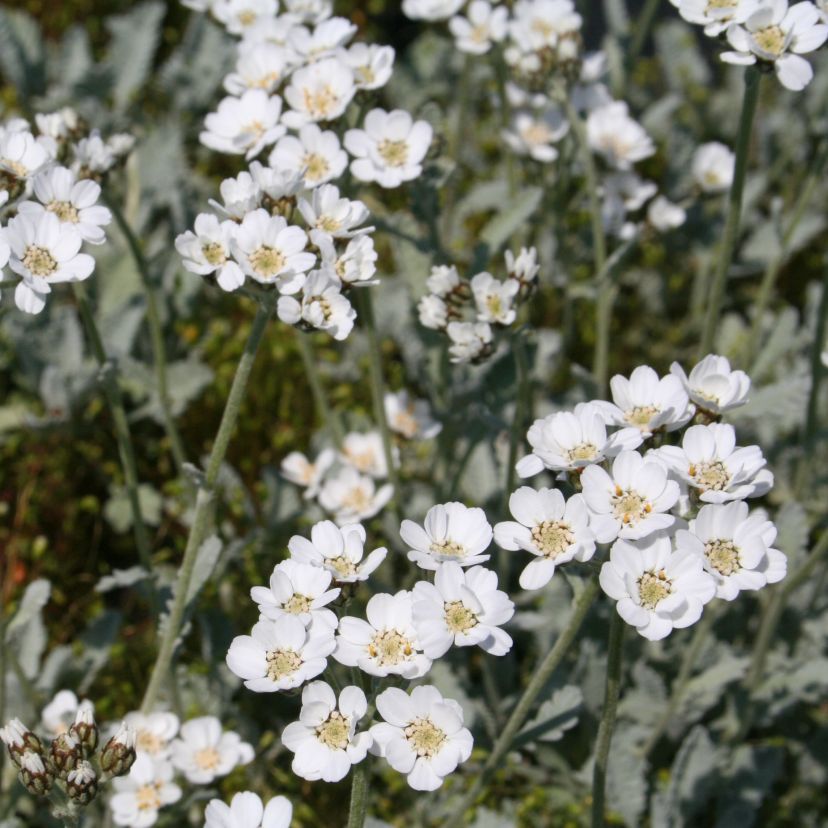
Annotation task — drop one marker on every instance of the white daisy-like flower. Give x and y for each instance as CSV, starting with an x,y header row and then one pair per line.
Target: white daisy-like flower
x,y
58,125
314,154
710,462
352,497
524,267
337,549
386,643
778,34
203,751
338,217
647,402
422,735
299,470
464,608
712,167
631,503
154,732
548,526
324,740
73,202
713,386
431,10
327,38
493,298
246,810
534,133
736,547
57,716
433,312
44,251
297,589
450,532
272,252
22,155
280,655
365,453
355,265
239,196
664,215
276,185
319,92
321,305
617,137
93,155
390,149
715,15
310,11
244,125
410,417
571,440
263,66
239,16
371,64
480,28
206,250
469,340
443,280
141,794
656,589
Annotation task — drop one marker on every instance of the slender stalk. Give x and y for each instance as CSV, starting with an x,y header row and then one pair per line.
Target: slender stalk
x,y
519,417
359,796
159,351
323,408
9,283
524,706
643,26
204,508
454,149
3,665
607,724
122,433
734,210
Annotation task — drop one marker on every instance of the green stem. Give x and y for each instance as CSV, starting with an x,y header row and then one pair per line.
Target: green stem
x,y
607,724
323,408
522,400
203,508
359,796
159,351
3,665
539,679
734,210
119,418
643,26
454,150
9,283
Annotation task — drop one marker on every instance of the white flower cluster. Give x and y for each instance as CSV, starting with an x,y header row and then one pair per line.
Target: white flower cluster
x,y
662,569
492,302
49,176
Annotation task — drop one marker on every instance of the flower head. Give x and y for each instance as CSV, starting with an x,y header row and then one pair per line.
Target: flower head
x,y
339,550
203,751
297,589
246,810
143,793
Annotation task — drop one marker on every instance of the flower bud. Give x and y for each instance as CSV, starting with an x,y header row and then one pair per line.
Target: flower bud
x,y
19,739
84,730
34,775
118,753
82,783
64,754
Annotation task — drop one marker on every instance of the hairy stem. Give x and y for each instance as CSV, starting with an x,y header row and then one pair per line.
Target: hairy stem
x,y
359,796
323,408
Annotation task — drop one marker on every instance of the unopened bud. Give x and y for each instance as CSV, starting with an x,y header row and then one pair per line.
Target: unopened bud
x,y
82,783
84,729
65,753
19,739
118,753
34,775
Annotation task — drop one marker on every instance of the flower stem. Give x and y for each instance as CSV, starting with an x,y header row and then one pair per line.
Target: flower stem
x,y
524,706
607,724
643,27
323,408
204,508
126,449
734,210
359,796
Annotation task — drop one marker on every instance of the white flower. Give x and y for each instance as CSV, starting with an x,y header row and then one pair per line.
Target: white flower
x,y
203,752
239,196
244,125
462,607
300,471
533,134
61,711
339,550
736,547
93,155
713,166
713,386
246,810
386,644
450,532
322,305
647,402
239,16
372,65
352,497
663,215
280,655
22,155
324,740
430,9
443,280
264,66
710,462
410,417
390,149
365,452
319,92
422,735
297,589
613,134
311,11
44,251
271,251
141,794
540,26
207,250
523,267
277,185
482,26
777,34
315,154
590,92
355,265
571,440
337,217
715,15
15,733
469,340
57,125
633,502
656,589
327,38
432,312
494,298
553,529
624,192
153,732
72,201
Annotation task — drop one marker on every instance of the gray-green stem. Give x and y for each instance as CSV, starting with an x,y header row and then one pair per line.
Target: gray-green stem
x,y
204,508
734,210
359,796
540,677
323,408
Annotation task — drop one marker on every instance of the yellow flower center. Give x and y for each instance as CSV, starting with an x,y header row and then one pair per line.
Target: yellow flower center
x,y
720,4
335,731
425,737
583,451
149,742
357,500
18,169
329,224
710,476
771,40
268,262
39,261
653,587
389,648
449,548
266,81
319,103
282,663
213,253
394,153
316,167
365,75
641,415
405,424
535,133
64,210
629,507
362,460
552,537
343,567
207,758
246,17
723,556
297,604
147,798
459,618
494,304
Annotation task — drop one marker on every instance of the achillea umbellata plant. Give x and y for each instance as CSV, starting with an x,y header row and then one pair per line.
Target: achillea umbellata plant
x,y
452,408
